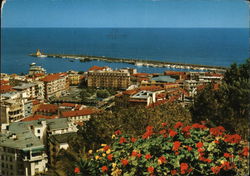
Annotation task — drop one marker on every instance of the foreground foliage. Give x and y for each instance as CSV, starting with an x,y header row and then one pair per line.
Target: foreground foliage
x,y
181,150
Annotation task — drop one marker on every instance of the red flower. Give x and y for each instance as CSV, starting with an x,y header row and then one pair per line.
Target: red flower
x,y
173,172
234,139
172,133
147,134
216,142
106,148
104,168
197,125
201,158
201,150
148,156
163,131
217,131
245,151
110,157
186,129
124,162
133,139
226,166
189,148
184,168
176,146
149,128
77,170
122,140
228,155
163,124
151,169
162,159
138,155
199,144
118,132
134,153
215,169
178,125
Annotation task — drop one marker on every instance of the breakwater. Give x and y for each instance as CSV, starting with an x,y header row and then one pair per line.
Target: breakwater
x,y
137,62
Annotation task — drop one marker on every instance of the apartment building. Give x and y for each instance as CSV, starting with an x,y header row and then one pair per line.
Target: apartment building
x,y
55,85
105,77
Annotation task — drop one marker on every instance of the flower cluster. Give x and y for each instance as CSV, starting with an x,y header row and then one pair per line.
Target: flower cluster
x,y
181,150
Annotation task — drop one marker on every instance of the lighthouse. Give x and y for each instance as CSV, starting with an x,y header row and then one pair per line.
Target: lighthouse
x,y
38,53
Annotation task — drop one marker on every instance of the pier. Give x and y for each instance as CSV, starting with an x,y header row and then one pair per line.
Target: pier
x,y
137,62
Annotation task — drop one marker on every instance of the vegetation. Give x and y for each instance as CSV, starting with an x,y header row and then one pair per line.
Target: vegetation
x,y
229,105
183,150
103,93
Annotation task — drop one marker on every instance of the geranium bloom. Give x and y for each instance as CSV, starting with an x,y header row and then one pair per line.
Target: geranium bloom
x,y
234,139
176,146
178,125
104,168
77,170
186,129
122,140
163,131
228,155
216,169
139,155
226,165
106,148
134,153
197,125
172,133
163,124
189,148
148,156
147,134
184,168
118,132
110,157
162,160
149,128
217,131
133,139
151,169
173,172
245,151
124,162
199,144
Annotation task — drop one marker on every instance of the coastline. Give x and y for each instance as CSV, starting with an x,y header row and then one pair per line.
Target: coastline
x,y
137,62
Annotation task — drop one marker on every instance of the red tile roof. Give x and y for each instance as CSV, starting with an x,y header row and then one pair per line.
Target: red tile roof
x,y
96,68
161,95
83,112
174,73
36,102
138,100
68,104
53,77
151,88
130,92
3,82
141,75
38,116
5,88
47,108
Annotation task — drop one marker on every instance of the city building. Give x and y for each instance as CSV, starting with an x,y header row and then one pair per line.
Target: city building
x,y
55,85
34,69
105,77
79,115
11,107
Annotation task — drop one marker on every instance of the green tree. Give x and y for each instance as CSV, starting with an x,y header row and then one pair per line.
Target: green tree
x,y
229,106
102,93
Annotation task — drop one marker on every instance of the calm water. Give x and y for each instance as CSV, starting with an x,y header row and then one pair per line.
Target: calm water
x,y
198,46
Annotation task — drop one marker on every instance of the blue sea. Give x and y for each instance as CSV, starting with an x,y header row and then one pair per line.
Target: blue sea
x,y
208,46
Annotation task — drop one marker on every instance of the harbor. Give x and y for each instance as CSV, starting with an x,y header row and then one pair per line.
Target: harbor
x,y
137,62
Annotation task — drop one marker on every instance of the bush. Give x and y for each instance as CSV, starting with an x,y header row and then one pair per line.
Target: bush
x,y
102,93
181,150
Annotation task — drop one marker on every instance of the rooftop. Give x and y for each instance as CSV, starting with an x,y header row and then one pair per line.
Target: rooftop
x,y
83,112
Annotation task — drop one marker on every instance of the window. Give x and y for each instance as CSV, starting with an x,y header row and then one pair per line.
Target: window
x,y
38,131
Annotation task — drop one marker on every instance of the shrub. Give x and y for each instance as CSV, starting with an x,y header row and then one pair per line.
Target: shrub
x,y
181,150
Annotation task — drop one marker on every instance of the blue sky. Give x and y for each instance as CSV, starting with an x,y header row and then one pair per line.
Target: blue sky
x,y
126,13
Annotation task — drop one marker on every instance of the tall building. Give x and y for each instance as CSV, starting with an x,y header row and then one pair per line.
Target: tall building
x,y
34,69
55,85
105,77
